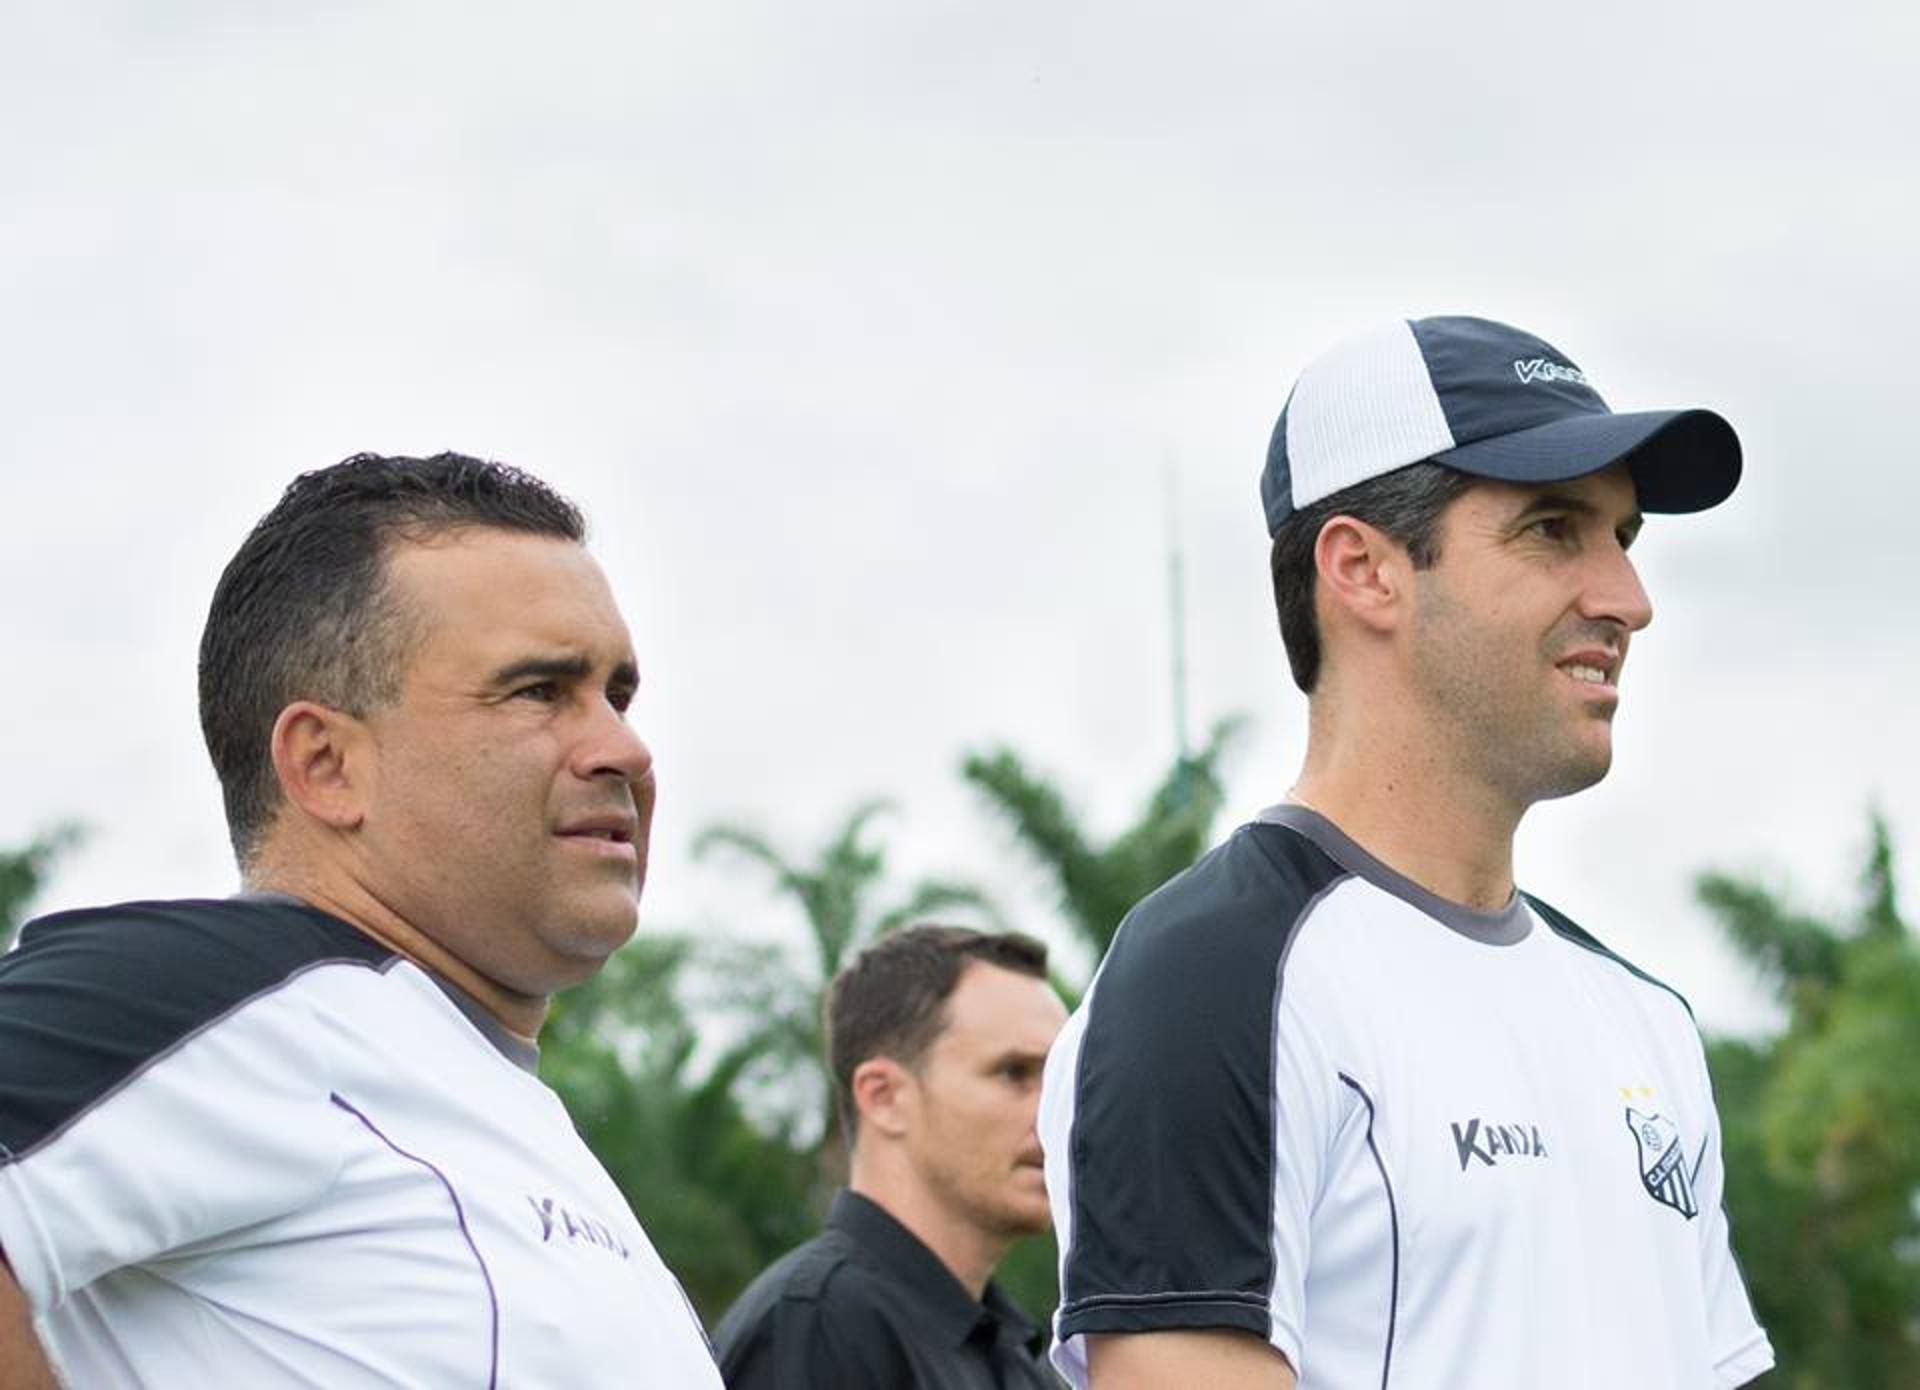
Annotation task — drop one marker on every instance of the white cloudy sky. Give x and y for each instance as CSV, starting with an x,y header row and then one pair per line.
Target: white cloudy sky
x,y
866,332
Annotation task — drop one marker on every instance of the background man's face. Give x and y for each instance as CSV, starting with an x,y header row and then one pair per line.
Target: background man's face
x,y
974,1144
510,802
1521,629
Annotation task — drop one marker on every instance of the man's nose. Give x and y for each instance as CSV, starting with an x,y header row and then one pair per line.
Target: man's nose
x,y
613,747
1614,592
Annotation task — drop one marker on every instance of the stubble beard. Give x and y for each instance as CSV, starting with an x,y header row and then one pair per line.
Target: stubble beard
x,y
1495,716
993,1213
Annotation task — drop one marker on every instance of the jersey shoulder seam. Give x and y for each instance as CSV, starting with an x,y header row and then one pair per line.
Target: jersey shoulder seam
x,y
160,1055
1572,932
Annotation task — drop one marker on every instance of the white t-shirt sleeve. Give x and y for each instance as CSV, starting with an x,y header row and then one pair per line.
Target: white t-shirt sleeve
x,y
227,1129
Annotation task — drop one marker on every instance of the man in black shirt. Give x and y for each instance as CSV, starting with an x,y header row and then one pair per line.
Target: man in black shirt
x,y
936,1038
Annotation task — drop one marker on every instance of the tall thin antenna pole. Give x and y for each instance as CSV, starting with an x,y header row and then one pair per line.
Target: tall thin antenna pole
x,y
1176,607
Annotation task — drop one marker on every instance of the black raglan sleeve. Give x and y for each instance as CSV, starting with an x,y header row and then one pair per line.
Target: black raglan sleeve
x,y
1166,1109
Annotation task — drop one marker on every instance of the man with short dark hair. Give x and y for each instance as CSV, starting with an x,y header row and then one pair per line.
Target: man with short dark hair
x,y
936,1038
295,1137
1342,1107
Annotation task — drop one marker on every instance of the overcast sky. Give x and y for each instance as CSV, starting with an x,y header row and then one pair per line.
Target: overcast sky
x,y
866,334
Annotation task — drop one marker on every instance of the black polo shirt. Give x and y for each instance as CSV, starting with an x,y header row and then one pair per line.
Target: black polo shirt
x,y
865,1306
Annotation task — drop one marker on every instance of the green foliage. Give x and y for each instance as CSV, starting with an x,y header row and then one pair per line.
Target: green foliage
x,y
777,999
836,889
23,872
720,1196
1030,1275
1822,1132
1099,883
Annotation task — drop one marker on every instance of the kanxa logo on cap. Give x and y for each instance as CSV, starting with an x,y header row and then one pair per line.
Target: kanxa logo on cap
x,y
1540,369
1663,1162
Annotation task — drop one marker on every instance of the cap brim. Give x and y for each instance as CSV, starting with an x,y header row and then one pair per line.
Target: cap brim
x,y
1681,460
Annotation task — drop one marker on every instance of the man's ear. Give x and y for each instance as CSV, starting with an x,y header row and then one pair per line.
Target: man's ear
x,y
883,1093
323,758
1362,572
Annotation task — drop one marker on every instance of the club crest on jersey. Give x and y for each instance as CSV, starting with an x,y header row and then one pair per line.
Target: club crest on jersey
x,y
1663,1162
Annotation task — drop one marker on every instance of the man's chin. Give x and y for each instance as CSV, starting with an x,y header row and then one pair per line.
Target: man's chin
x,y
1575,770
583,946
1027,1216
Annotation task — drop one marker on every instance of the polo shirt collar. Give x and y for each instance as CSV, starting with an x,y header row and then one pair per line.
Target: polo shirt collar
x,y
904,1256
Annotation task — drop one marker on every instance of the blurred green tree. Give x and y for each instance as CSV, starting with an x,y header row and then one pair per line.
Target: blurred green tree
x,y
23,873
1098,883
777,999
1821,1127
720,1196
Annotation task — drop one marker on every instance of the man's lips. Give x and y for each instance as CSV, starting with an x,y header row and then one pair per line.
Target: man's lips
x,y
1595,668
612,833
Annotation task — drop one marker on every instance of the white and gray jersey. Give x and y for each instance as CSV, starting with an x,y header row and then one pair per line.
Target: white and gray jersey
x,y
1408,1144
243,1143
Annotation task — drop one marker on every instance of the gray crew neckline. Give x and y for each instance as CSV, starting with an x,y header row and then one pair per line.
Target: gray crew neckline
x,y
523,1053
1503,926
510,1045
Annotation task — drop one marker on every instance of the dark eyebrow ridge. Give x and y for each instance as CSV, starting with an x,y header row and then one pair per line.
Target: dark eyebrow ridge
x,y
624,676
1579,506
1017,1054
1557,502
549,667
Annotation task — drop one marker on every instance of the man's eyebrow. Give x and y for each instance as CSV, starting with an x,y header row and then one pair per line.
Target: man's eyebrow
x,y
1017,1054
542,667
1578,506
622,681
1555,502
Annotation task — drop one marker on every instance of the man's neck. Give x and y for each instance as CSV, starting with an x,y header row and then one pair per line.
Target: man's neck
x,y
1449,833
520,1014
969,1253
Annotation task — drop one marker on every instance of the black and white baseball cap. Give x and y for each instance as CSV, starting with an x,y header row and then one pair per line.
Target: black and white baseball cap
x,y
1486,399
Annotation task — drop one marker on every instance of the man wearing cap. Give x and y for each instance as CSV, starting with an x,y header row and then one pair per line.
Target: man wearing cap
x,y
1344,1107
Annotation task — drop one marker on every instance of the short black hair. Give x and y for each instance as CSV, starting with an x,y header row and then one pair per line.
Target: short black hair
x,y
890,1001
303,610
1406,504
